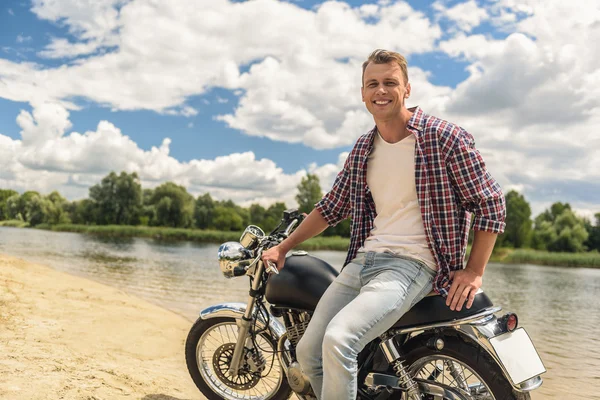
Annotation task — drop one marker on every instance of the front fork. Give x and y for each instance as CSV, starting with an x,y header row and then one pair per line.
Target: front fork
x,y
245,322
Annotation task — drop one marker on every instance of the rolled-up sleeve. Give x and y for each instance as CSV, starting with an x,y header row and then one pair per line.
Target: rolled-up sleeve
x,y
478,191
335,205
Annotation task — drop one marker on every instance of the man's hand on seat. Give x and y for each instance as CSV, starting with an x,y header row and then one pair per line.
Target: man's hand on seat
x,y
465,284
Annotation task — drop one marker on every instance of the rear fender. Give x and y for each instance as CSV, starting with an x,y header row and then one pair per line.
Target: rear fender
x,y
237,310
478,332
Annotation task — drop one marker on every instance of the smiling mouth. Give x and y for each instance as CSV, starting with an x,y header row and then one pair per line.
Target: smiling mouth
x,y
382,102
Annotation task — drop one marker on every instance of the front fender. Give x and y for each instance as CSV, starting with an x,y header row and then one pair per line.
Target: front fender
x,y
237,310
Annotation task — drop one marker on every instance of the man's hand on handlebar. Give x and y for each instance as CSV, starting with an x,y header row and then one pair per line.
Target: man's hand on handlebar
x,y
276,255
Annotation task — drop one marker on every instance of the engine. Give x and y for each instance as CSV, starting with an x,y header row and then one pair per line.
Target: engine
x,y
296,323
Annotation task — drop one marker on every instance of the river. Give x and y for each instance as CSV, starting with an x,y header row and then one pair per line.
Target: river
x,y
559,307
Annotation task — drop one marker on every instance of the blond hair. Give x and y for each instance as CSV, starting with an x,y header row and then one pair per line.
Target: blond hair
x,y
381,56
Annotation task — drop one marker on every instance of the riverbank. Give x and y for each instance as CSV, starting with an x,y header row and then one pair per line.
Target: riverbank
x,y
503,255
65,337
165,233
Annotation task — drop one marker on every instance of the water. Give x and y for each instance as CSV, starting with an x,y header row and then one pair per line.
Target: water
x,y
560,307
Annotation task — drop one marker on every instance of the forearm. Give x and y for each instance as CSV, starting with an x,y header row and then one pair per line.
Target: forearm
x,y
312,225
483,244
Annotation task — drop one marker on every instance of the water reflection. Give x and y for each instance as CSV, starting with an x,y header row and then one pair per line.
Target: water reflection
x,y
560,307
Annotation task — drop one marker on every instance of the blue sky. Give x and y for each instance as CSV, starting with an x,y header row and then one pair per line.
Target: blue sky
x,y
242,99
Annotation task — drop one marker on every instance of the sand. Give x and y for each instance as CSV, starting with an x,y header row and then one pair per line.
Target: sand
x,y
65,337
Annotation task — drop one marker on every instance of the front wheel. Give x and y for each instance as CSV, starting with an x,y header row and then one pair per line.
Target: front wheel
x,y
464,367
208,351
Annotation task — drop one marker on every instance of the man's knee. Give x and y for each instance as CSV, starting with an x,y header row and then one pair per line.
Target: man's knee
x,y
338,340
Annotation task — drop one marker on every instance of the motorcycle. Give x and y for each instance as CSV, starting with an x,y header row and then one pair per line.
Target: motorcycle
x,y
246,351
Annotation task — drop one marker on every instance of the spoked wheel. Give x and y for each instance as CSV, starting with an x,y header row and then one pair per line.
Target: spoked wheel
x,y
454,375
464,368
208,352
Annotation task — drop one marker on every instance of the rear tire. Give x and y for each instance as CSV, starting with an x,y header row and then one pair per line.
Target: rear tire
x,y
210,382
472,356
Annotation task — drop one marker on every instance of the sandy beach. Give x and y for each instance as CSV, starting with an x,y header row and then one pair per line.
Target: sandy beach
x,y
65,337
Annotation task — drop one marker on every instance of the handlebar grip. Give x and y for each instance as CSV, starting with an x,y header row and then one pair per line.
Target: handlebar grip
x,y
271,268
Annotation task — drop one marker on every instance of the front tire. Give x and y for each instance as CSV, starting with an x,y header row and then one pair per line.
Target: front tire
x,y
471,362
208,348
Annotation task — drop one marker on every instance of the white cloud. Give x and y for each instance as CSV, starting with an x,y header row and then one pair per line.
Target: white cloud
x,y
93,22
62,48
164,52
23,39
466,16
56,159
531,99
11,12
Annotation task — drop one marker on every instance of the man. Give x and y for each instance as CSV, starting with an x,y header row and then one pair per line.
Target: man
x,y
410,185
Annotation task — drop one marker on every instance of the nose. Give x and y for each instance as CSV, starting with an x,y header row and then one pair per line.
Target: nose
x,y
381,89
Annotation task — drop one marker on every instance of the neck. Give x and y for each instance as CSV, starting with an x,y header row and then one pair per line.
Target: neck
x,y
395,129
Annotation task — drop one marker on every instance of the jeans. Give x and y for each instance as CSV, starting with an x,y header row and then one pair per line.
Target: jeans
x,y
371,293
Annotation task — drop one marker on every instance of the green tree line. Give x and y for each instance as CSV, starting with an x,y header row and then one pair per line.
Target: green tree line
x,y
118,199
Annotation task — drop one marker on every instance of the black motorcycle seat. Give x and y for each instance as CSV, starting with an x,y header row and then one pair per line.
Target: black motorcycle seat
x,y
432,309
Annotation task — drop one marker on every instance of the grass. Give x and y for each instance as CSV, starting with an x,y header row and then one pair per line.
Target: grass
x,y
528,256
503,255
14,223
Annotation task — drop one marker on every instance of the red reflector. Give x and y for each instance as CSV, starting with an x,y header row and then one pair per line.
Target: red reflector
x,y
512,322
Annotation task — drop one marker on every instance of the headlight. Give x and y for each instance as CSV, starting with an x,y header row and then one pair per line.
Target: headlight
x,y
230,256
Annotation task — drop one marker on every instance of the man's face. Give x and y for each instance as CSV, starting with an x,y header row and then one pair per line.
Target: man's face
x,y
384,90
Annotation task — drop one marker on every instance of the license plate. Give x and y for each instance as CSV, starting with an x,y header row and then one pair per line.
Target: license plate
x,y
518,355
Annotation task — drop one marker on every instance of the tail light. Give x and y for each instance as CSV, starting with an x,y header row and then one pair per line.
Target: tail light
x,y
509,322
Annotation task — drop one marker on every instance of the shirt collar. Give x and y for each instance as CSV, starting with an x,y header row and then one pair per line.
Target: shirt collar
x,y
416,125
417,121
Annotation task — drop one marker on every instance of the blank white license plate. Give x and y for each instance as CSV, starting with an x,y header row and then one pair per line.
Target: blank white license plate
x,y
518,355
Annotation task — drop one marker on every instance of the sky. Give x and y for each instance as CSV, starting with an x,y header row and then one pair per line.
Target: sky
x,y
241,99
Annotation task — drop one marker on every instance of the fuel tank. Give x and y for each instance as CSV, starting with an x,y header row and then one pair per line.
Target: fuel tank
x,y
301,282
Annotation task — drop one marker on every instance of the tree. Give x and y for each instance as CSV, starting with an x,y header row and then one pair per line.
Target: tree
x,y
273,216
593,242
309,193
57,209
559,229
553,212
518,222
118,198
37,210
148,212
341,229
257,214
4,195
226,219
204,211
84,212
174,206
16,206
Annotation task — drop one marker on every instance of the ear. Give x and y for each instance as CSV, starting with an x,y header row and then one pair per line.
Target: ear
x,y
362,93
408,89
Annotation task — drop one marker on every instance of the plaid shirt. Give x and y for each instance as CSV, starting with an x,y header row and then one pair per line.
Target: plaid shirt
x,y
452,182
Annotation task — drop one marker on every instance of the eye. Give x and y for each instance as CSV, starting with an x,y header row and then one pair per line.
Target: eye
x,y
372,85
390,83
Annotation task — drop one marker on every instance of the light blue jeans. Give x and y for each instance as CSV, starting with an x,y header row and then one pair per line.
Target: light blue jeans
x,y
371,293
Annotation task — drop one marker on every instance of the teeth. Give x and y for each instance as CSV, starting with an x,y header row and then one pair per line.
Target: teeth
x,y
382,102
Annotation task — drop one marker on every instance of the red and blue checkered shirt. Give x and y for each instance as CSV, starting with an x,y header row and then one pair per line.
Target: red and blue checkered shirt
x,y
452,182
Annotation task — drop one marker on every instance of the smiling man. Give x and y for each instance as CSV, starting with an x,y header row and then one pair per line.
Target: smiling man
x,y
410,186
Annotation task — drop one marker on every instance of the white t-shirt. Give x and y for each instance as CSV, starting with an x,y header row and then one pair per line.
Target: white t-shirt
x,y
398,226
